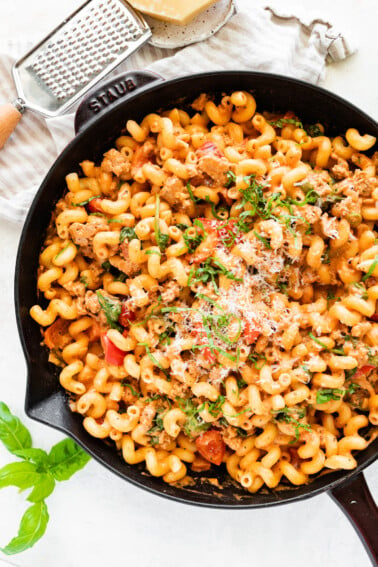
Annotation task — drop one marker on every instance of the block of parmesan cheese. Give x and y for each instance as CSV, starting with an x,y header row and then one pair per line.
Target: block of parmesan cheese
x,y
174,11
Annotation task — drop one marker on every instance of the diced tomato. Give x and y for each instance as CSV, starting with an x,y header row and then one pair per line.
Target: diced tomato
x,y
126,316
94,206
363,371
209,225
201,339
250,333
56,334
217,231
208,355
210,148
374,318
113,354
211,446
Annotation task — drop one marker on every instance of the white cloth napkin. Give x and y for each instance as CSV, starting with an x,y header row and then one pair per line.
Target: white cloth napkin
x,y
254,39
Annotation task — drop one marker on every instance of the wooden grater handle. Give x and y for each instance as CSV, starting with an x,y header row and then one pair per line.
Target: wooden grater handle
x,y
10,115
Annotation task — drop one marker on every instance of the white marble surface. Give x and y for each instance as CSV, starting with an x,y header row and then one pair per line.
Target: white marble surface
x,y
98,519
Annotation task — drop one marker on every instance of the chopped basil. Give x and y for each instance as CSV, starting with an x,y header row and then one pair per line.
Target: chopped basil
x,y
208,271
84,281
192,242
112,310
265,241
161,238
325,395
129,386
61,251
83,203
194,423
287,415
191,194
317,341
371,269
128,233
231,178
281,122
115,272
313,130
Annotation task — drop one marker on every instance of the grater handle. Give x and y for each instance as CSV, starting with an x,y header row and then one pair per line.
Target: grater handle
x,y
10,115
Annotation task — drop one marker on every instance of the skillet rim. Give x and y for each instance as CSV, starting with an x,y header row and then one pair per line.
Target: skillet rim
x,y
290,495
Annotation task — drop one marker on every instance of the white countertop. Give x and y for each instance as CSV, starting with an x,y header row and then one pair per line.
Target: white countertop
x,y
96,518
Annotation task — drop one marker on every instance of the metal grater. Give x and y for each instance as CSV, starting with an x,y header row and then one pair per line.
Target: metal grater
x,y
77,54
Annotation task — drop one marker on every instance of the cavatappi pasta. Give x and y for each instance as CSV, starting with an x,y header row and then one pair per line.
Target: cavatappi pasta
x,y
211,293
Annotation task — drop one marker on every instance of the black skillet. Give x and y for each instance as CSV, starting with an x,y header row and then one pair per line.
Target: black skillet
x,y
99,120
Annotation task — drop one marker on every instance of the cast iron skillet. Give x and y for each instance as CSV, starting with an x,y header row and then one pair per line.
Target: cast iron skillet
x,y
99,120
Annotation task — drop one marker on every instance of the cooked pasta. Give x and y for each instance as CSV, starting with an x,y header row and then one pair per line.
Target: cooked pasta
x,y
210,294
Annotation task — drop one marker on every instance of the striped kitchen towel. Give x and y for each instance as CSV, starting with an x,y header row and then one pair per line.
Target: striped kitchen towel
x,y
254,39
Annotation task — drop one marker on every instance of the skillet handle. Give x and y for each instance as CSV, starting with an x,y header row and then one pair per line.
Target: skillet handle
x,y
108,93
358,505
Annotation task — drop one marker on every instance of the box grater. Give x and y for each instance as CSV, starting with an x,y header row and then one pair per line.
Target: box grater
x,y
89,44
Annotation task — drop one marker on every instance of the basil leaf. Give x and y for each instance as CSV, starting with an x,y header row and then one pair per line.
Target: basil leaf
x,y
112,310
265,241
66,458
127,233
43,488
325,395
231,178
32,527
22,474
83,203
371,269
13,433
37,456
280,123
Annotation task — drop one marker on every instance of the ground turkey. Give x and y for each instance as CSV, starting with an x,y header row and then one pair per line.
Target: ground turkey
x,y
124,264
177,195
214,164
117,163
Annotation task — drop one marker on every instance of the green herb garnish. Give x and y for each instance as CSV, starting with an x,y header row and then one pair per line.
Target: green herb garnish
x,y
281,122
191,194
192,242
85,202
371,269
231,178
112,310
324,395
37,470
287,415
130,387
313,130
194,422
161,238
62,250
265,241
127,233
84,281
317,341
208,271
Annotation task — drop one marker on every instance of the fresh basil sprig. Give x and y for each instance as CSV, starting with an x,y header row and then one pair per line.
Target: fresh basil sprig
x,y
39,471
